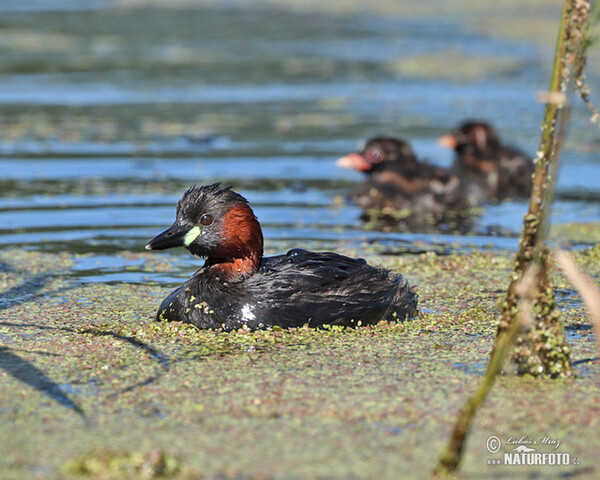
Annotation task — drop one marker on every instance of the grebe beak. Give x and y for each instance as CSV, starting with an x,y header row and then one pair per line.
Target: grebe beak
x,y
176,236
447,141
354,161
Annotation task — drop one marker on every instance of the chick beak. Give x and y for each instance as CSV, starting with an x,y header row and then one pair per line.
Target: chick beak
x,y
447,141
176,236
354,161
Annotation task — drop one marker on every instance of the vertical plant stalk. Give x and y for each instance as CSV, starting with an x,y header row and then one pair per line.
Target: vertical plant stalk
x,y
452,455
529,304
585,286
450,458
542,350
583,17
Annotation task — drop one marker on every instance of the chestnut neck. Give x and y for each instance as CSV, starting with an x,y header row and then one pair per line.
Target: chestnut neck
x,y
241,249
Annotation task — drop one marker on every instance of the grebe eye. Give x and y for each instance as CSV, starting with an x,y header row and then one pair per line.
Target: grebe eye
x,y
206,220
375,155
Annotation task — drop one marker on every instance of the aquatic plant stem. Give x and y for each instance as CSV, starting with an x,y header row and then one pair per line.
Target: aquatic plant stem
x,y
452,455
529,318
543,349
584,285
558,84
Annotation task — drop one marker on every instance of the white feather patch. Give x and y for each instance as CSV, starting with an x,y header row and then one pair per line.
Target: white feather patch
x,y
247,313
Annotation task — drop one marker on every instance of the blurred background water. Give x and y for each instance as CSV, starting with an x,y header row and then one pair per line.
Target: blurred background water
x,y
109,110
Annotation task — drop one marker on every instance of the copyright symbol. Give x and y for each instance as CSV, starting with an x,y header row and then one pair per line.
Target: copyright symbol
x,y
493,444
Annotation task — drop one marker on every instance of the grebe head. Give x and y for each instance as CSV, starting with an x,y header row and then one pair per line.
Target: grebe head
x,y
380,153
215,223
474,134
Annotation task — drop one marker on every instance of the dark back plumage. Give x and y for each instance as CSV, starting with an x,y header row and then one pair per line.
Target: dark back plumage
x,y
237,287
398,180
292,290
490,170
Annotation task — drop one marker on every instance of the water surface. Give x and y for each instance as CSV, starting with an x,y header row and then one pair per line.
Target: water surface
x,y
108,114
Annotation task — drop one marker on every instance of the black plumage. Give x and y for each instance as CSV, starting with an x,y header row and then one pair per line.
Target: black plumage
x,y
238,288
490,171
398,180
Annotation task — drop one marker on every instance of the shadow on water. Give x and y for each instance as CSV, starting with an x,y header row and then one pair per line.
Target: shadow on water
x,y
22,293
586,367
150,350
161,359
29,374
53,390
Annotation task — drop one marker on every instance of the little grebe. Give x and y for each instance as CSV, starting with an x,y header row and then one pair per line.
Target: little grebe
x,y
397,180
239,288
490,170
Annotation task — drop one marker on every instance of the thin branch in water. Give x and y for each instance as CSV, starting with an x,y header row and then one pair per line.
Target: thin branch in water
x,y
533,248
578,43
584,285
451,457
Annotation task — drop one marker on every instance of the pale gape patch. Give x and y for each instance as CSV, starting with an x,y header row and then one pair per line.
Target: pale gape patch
x,y
191,236
247,313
